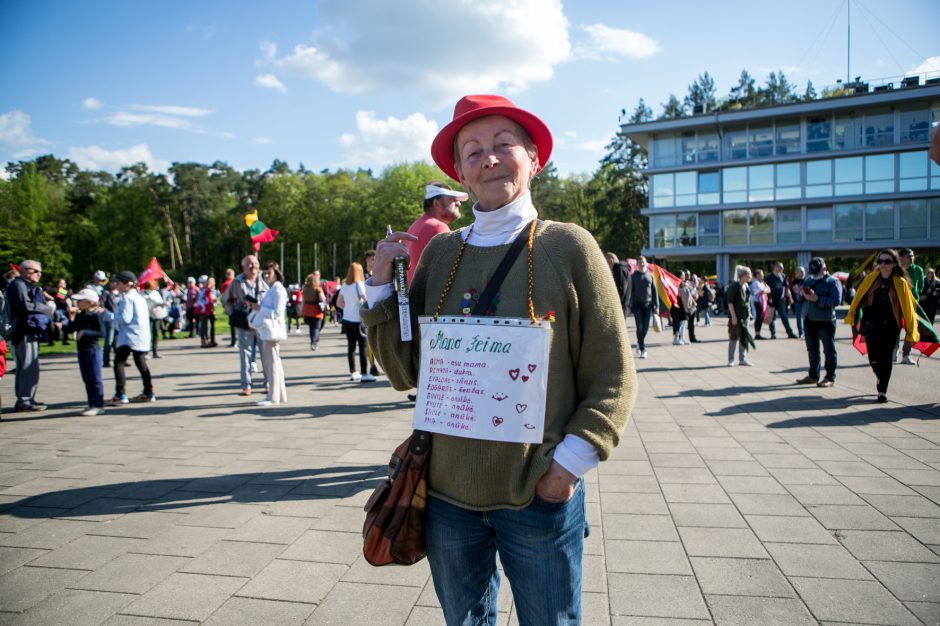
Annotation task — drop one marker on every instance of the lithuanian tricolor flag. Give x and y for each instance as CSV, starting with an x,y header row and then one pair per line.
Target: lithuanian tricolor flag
x,y
667,288
259,232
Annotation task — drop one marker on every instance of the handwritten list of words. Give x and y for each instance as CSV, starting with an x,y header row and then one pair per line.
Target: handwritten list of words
x,y
483,378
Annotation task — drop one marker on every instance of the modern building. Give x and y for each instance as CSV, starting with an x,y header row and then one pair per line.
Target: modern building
x,y
831,177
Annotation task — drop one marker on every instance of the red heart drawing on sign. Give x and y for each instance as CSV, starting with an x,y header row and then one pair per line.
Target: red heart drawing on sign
x,y
525,379
497,420
531,367
514,374
521,407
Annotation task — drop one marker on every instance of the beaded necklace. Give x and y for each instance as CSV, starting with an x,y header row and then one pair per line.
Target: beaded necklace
x,y
453,273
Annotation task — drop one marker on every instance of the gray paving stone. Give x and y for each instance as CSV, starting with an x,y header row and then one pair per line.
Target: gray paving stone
x,y
185,597
927,612
789,529
709,515
736,468
851,517
81,608
139,525
626,468
48,534
768,504
912,582
271,529
878,545
924,530
646,557
751,484
876,485
638,503
646,595
130,573
11,558
816,561
234,558
639,527
904,506
749,577
785,460
633,620
293,581
685,475
676,460
852,601
88,552
388,605
722,542
222,515
251,612
344,518
416,575
27,586
311,508
695,493
183,541
748,610
18,518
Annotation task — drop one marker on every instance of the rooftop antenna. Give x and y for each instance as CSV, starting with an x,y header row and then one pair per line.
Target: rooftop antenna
x,y
848,47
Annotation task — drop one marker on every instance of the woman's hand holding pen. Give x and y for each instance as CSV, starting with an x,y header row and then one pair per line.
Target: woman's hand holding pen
x,y
394,245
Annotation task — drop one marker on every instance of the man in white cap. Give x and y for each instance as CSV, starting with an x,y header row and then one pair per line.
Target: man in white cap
x,y
441,207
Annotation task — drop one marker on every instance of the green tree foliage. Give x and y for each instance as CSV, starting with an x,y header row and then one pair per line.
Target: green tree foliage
x,y
701,94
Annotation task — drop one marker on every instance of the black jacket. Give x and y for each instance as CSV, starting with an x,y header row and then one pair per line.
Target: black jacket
x,y
622,281
91,324
26,301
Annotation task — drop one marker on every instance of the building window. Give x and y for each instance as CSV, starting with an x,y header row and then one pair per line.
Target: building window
x,y
760,142
935,218
879,128
735,143
663,190
879,220
709,229
818,134
685,188
934,175
788,137
689,147
912,170
848,221
819,179
708,147
761,226
760,183
879,173
663,229
848,133
664,151
912,215
848,176
708,188
819,225
789,225
915,125
686,230
735,227
734,184
788,182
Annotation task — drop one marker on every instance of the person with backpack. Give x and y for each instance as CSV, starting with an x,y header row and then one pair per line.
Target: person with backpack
x,y
29,310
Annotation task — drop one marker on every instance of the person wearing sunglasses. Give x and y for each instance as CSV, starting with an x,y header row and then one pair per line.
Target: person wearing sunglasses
x,y
883,303
31,311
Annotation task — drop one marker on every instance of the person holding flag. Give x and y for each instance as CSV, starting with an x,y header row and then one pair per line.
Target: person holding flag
x,y
883,304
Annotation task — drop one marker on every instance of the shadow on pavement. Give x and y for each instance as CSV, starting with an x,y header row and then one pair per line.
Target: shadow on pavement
x,y
291,412
182,493
725,391
818,403
883,413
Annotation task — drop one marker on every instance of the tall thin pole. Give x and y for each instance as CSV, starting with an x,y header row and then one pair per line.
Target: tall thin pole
x,y
316,257
350,253
334,259
848,46
282,256
299,280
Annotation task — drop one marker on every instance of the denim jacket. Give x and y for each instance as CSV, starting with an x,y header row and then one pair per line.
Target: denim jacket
x,y
829,291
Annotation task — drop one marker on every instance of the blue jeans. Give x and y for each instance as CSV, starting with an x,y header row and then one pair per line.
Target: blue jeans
x,y
826,333
642,314
107,328
89,364
781,311
540,547
798,308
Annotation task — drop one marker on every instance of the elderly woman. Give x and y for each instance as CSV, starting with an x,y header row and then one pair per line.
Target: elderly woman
x,y
522,500
739,312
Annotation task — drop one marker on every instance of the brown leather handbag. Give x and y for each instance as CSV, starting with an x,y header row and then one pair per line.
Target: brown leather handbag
x,y
393,533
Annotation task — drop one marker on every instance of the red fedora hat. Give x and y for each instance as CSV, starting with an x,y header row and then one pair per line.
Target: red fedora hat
x,y
470,108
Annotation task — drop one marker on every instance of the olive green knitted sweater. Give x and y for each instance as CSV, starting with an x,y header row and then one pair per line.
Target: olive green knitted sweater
x,y
591,375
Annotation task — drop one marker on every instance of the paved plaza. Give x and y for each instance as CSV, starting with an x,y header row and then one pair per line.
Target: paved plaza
x,y
735,497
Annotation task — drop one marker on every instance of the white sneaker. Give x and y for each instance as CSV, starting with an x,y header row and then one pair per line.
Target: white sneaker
x,y
746,363
908,360
254,367
676,341
355,377
368,378
730,363
91,411
643,354
264,403
683,342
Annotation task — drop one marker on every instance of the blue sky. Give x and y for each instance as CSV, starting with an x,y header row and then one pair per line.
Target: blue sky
x,y
349,83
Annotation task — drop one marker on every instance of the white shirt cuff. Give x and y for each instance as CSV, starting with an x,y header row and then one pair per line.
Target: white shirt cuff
x,y
576,455
375,294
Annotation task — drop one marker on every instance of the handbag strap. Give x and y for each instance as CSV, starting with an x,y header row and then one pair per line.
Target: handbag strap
x,y
500,274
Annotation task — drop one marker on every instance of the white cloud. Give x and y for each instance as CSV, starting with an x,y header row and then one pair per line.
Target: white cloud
x,y
270,81
261,140
607,43
126,119
268,50
931,66
171,109
15,131
454,49
98,158
92,103
594,146
379,143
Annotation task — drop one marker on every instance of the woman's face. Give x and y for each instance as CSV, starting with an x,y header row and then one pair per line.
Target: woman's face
x,y
494,163
745,278
269,277
885,264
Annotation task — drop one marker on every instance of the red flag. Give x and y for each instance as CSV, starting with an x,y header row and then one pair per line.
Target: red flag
x,y
153,272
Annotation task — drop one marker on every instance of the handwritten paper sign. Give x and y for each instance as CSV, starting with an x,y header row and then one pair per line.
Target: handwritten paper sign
x,y
483,378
